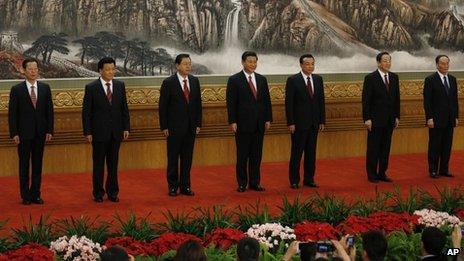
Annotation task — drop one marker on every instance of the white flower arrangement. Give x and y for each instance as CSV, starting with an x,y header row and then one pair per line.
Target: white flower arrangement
x,y
76,248
432,218
271,234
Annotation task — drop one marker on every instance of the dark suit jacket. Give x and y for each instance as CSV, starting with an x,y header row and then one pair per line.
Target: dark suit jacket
x,y
23,119
443,108
242,108
175,114
379,105
301,110
102,119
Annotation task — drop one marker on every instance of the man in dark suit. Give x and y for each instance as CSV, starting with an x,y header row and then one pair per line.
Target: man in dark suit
x,y
30,118
180,120
305,110
381,114
249,115
442,113
105,119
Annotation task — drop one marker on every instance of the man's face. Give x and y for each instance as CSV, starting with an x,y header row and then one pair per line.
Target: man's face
x,y
443,65
250,64
385,63
108,71
307,66
184,67
31,72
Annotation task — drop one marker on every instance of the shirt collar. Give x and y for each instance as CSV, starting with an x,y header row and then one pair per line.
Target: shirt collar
x,y
305,76
29,85
442,75
382,73
103,82
247,74
181,79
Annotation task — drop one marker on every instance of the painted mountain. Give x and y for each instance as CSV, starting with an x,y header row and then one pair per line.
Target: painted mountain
x,y
144,35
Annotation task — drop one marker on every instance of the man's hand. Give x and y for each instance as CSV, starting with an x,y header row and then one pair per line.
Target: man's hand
x,y
321,127
368,124
16,139
267,125
397,122
291,128
233,127
430,123
457,122
456,237
197,130
126,135
291,251
89,138
48,137
166,133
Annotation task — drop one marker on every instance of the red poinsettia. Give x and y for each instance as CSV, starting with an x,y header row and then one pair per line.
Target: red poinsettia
x,y
34,252
132,246
386,221
459,213
314,231
168,241
223,238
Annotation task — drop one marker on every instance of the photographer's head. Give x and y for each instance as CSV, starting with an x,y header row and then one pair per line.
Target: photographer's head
x,y
190,250
248,249
374,245
115,253
433,241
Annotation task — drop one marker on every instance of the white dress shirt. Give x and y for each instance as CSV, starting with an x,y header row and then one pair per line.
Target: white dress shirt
x,y
305,77
35,89
253,79
181,80
103,82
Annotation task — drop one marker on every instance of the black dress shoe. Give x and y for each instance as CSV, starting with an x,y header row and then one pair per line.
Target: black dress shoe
x,y
187,192
311,185
98,199
433,175
25,202
294,186
385,179
241,189
257,188
38,201
113,199
448,174
172,192
371,180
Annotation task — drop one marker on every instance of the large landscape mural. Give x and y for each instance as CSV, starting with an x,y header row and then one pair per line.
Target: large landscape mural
x,y
69,36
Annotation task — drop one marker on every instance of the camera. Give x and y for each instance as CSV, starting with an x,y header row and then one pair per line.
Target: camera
x,y
350,241
305,245
324,247
462,231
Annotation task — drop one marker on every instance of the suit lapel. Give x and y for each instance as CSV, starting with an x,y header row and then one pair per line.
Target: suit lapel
x,y
102,92
382,83
247,86
26,92
440,83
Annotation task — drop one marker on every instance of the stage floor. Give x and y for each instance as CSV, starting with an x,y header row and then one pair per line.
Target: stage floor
x,y
145,191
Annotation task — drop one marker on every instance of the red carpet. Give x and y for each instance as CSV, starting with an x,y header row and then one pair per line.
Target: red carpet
x,y
145,191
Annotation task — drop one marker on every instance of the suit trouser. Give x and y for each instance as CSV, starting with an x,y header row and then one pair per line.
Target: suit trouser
x,y
249,155
439,151
303,141
378,151
109,151
180,153
30,150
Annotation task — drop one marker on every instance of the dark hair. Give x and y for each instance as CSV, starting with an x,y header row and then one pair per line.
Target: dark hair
x,y
375,244
379,56
29,60
181,56
305,56
434,240
114,253
104,61
247,249
190,250
246,54
437,59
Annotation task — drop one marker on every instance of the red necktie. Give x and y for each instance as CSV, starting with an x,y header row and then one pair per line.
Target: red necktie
x,y
252,87
387,84
310,88
109,94
33,96
186,91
